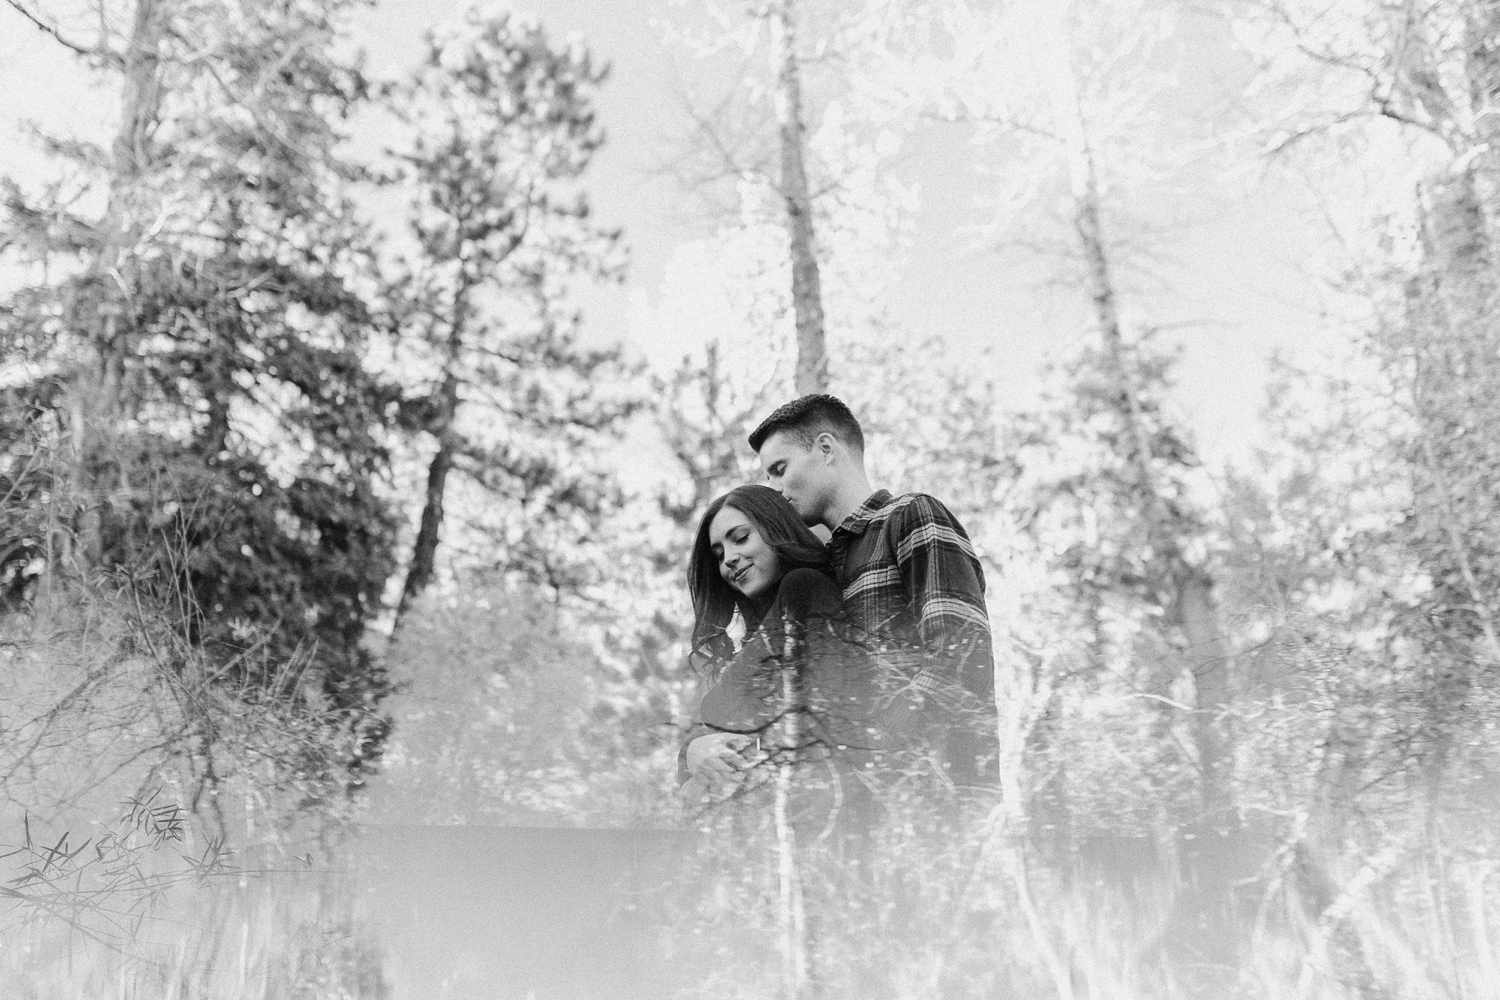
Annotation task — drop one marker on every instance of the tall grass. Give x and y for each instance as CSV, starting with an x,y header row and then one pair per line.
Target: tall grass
x,y
939,911
262,938
151,800
104,702
930,909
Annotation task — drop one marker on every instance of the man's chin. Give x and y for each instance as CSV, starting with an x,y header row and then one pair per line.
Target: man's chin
x,y
811,518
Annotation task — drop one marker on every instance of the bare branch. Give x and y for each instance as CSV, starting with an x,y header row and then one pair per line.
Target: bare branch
x,y
705,125
206,57
967,117
50,29
1320,128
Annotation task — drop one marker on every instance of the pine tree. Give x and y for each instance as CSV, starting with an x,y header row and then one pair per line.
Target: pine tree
x,y
200,417
504,130
754,160
1063,84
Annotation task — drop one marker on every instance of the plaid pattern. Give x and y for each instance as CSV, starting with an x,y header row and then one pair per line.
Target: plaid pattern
x,y
913,584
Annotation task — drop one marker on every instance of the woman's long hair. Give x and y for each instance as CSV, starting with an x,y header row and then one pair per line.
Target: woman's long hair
x,y
715,601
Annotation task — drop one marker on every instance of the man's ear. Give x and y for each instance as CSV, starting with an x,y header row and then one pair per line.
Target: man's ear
x,y
826,445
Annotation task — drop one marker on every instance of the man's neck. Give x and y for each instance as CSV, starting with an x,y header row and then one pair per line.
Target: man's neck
x,y
850,497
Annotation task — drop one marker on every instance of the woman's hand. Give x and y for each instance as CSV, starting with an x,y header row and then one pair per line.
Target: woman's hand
x,y
715,762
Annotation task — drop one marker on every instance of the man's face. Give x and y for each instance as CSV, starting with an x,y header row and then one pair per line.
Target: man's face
x,y
803,475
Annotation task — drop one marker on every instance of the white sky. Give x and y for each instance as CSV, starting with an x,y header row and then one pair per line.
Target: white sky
x,y
1240,290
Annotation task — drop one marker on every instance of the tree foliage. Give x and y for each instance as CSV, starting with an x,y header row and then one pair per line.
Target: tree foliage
x,y
250,419
196,404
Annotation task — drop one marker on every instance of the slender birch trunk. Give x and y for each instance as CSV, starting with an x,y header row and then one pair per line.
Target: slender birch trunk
x,y
792,914
807,288
1057,963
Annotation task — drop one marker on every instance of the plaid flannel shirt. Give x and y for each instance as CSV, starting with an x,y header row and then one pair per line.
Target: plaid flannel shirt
x,y
913,584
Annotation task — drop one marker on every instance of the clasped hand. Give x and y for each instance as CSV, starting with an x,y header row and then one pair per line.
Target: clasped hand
x,y
717,763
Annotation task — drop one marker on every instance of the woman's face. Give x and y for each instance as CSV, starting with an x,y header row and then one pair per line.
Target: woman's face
x,y
746,562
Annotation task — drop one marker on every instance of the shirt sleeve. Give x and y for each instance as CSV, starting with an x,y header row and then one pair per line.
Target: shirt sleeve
x,y
945,585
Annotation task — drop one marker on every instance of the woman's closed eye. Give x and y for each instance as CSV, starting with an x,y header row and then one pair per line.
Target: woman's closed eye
x,y
734,538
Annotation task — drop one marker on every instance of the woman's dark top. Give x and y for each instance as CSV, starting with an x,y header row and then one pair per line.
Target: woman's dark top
x,y
837,684
747,694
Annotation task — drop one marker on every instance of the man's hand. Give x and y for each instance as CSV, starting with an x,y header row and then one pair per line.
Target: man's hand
x,y
716,760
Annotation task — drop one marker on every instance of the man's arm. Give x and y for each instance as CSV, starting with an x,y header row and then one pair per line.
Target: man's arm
x,y
945,585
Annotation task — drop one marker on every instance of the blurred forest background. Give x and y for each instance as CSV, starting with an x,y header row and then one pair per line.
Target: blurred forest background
x,y
341,482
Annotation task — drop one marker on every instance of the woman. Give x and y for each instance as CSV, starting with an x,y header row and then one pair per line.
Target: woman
x,y
753,554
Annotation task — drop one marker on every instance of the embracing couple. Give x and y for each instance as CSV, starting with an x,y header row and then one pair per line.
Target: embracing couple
x,y
867,659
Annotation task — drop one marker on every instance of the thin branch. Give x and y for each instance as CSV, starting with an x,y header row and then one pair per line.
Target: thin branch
x,y
49,29
1149,696
255,116
1287,141
967,117
706,127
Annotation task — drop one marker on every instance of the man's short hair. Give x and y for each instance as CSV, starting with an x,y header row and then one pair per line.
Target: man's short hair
x,y
803,419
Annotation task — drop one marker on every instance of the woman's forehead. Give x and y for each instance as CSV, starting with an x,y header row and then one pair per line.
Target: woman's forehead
x,y
726,520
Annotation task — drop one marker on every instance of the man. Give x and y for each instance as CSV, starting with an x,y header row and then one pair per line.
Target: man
x,y
911,581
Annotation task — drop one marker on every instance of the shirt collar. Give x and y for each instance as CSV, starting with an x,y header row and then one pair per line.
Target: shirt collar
x,y
858,522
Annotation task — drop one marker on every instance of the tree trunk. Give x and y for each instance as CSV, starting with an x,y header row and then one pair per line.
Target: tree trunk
x,y
807,290
1188,589
424,555
1454,347
710,459
97,386
1197,615
1447,350
1193,608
